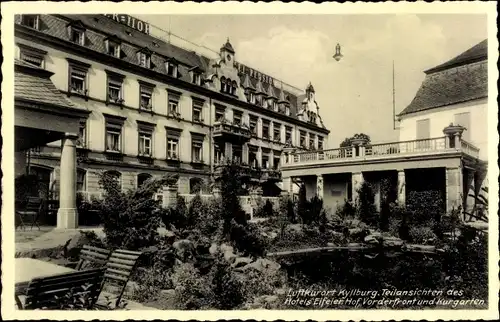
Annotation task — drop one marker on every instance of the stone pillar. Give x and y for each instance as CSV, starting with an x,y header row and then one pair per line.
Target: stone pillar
x,y
169,196
244,153
319,186
228,151
259,157
287,184
67,214
469,189
457,137
454,188
353,151
401,187
357,181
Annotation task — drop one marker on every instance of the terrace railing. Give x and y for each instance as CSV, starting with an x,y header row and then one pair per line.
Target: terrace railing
x,y
415,147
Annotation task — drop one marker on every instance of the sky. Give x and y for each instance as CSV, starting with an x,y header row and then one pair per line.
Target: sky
x,y
354,94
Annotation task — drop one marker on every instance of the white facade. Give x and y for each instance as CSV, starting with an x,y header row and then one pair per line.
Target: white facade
x,y
474,113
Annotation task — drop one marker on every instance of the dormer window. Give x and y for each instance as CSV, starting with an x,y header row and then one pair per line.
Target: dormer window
x,y
113,47
252,97
33,56
275,106
223,84
196,75
171,68
144,59
233,88
31,21
287,110
197,78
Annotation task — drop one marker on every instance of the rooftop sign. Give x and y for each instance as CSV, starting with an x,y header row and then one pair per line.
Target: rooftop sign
x,y
132,22
254,74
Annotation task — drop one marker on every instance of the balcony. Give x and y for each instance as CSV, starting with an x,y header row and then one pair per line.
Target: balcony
x,y
402,150
271,175
231,132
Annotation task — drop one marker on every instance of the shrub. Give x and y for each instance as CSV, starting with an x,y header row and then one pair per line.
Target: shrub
x,y
231,183
424,207
265,210
228,291
196,212
131,219
150,281
346,211
365,209
422,235
192,290
247,239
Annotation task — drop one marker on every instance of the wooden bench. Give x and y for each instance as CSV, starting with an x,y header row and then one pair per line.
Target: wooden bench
x,y
119,268
46,293
94,256
32,210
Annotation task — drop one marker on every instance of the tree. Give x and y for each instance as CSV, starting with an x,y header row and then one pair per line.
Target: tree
x,y
348,141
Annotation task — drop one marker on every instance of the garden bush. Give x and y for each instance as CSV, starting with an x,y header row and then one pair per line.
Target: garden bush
x,y
347,210
424,207
422,235
247,239
365,205
265,210
131,218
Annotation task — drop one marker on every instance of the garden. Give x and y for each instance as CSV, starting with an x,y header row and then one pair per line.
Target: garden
x,y
208,255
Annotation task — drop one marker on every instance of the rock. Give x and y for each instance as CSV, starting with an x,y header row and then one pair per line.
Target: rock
x,y
392,242
226,248
228,252
261,265
374,238
358,234
214,249
168,293
241,261
293,229
280,291
74,245
184,249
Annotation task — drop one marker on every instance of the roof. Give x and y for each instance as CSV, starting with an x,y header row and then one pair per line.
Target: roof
x,y
446,84
227,46
33,84
477,53
450,88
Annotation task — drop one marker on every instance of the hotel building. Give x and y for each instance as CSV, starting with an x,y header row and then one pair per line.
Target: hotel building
x,y
99,93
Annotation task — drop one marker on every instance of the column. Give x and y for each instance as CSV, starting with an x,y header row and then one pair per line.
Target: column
x,y
244,153
357,181
453,188
401,187
457,140
259,157
319,186
228,152
353,151
469,189
67,214
271,159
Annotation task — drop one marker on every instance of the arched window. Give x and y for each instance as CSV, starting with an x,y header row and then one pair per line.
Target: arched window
x,y
80,180
235,85
195,185
228,86
222,84
117,176
142,178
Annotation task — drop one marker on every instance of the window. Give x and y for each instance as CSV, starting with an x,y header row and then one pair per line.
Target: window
x,y
311,141
197,147
31,21
32,56
173,103
218,155
219,113
237,117
276,160
320,142
288,135
171,68
145,146
116,176
173,136
144,59
77,36
196,78
115,88
302,139
275,106
113,137
223,84
197,110
265,160
77,77
233,88
237,153
423,133
253,125
146,96
277,132
77,81
252,97
173,148
195,185
287,110
142,178
80,180
82,135
113,47
252,156
463,119
265,129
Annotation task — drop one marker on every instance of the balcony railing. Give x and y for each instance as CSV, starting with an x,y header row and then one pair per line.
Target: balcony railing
x,y
414,147
233,129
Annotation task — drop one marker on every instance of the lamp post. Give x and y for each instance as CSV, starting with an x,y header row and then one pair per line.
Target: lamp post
x,y
338,55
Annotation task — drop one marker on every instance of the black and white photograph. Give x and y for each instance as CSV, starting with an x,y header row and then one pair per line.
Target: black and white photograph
x,y
183,158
